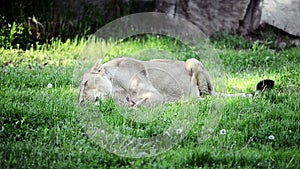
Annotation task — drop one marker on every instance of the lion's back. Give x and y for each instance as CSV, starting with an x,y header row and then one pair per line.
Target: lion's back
x,y
169,77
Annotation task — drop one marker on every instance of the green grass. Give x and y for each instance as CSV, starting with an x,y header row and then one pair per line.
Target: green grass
x,y
42,127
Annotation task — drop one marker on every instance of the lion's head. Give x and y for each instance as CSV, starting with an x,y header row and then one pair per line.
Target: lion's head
x,y
95,85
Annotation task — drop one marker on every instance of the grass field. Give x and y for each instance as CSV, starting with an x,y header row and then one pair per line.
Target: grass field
x,y
40,126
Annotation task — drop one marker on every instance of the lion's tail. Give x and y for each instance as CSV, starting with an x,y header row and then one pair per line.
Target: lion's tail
x,y
261,87
230,95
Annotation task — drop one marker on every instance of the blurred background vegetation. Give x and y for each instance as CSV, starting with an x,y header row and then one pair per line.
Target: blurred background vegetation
x,y
30,22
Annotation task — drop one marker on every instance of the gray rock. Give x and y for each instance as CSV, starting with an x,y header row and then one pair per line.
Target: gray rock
x,y
282,45
211,16
284,14
296,42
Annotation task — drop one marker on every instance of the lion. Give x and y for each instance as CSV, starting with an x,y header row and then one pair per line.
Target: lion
x,y
149,83
137,82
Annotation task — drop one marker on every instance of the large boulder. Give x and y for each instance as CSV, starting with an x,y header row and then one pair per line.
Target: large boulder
x,y
236,15
211,16
283,14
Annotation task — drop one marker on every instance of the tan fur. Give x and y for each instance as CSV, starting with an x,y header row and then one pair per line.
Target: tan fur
x,y
199,75
145,82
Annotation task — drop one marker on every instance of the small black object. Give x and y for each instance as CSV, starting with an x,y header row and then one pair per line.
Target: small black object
x,y
265,85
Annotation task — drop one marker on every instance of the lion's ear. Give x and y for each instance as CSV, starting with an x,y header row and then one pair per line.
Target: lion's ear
x,y
97,66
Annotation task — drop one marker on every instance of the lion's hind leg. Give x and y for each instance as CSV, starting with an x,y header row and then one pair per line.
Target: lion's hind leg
x,y
200,76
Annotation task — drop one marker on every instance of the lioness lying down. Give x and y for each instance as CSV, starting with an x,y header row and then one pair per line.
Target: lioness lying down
x,y
134,82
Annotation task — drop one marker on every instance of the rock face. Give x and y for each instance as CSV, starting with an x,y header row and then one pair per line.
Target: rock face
x,y
243,16
283,14
211,16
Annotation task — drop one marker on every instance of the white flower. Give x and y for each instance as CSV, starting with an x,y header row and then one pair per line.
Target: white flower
x,y
175,114
49,86
102,131
167,134
223,131
271,137
179,131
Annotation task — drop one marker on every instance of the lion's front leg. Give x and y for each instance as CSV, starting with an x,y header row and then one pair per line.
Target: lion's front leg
x,y
147,99
141,101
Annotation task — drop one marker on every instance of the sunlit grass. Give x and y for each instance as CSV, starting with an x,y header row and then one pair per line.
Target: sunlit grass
x,y
40,126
